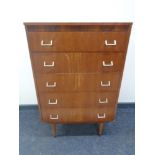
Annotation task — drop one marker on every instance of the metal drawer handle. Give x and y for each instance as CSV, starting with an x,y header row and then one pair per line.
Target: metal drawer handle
x,y
48,65
108,64
46,44
50,85
56,117
110,44
105,101
55,102
101,116
105,84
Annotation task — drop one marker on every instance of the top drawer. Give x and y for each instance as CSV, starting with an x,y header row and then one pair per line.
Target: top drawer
x,y
77,41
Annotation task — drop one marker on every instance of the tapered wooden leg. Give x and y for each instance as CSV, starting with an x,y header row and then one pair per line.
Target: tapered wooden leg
x,y
54,129
101,127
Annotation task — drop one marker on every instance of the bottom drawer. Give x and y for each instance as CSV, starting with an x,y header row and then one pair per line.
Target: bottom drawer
x,y
80,115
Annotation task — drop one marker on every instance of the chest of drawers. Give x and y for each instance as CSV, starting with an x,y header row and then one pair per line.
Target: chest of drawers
x,y
77,69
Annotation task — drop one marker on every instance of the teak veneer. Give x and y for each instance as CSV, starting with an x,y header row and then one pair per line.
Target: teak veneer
x,y
77,69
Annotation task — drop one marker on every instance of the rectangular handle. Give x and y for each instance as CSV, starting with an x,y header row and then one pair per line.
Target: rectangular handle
x,y
50,102
101,116
48,65
46,44
108,64
105,84
103,101
50,85
111,44
54,117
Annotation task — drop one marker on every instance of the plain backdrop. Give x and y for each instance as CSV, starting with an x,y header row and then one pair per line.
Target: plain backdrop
x,y
80,11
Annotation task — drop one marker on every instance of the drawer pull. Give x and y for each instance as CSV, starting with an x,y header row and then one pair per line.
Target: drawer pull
x,y
105,84
101,116
110,44
54,117
48,65
50,85
105,101
46,44
108,64
55,102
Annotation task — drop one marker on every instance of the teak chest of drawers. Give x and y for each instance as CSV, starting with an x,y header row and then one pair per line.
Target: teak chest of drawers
x,y
77,69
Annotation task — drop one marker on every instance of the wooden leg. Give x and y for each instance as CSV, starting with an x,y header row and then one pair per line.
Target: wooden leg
x,y
101,127
54,129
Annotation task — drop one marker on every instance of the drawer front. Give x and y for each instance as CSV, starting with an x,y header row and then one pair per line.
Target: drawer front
x,y
77,41
79,115
78,100
78,82
77,62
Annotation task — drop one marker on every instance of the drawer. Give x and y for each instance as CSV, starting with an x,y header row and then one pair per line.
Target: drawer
x,y
77,62
78,100
78,82
79,115
77,41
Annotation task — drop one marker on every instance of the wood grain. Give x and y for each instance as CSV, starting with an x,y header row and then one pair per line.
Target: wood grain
x,y
77,26
78,82
77,62
78,51
78,100
78,115
77,41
